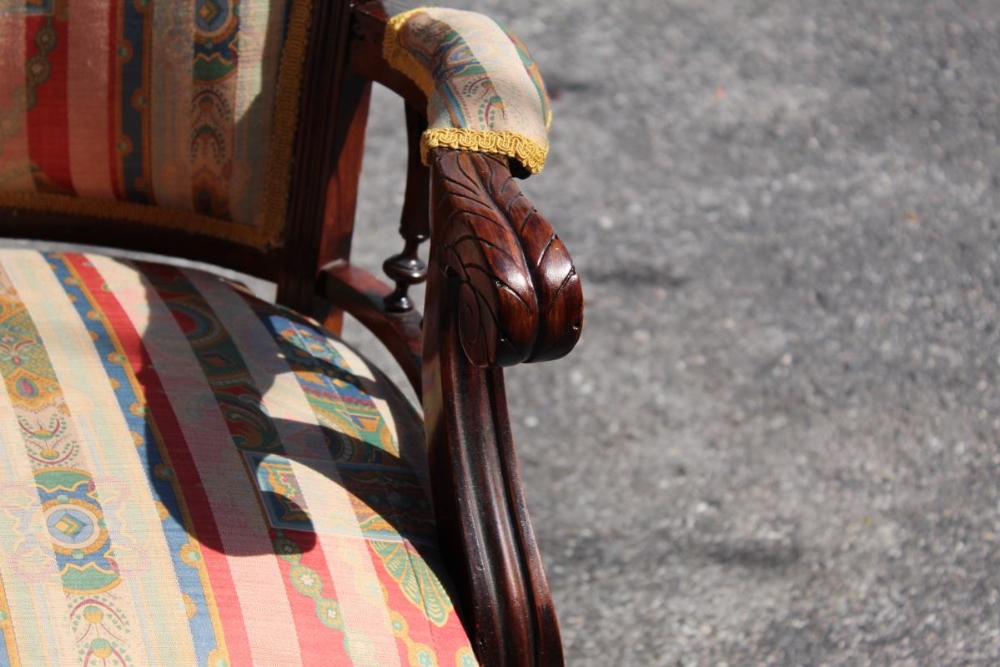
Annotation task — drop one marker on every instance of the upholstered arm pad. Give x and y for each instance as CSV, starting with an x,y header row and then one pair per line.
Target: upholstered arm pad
x,y
484,92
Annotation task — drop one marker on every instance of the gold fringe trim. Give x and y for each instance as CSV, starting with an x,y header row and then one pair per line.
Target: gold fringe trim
x,y
527,151
285,122
126,210
400,58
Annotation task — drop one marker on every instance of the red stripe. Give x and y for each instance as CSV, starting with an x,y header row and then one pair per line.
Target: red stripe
x,y
319,644
315,639
48,124
195,497
446,640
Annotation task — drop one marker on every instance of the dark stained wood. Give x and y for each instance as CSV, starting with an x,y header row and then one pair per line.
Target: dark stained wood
x,y
484,310
333,112
366,54
520,297
557,285
407,269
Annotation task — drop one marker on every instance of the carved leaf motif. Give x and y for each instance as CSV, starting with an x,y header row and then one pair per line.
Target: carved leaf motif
x,y
519,297
501,290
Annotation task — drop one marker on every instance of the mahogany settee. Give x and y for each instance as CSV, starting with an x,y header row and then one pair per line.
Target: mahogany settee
x,y
500,290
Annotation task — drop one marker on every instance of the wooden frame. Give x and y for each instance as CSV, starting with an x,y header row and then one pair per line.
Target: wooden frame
x,y
501,290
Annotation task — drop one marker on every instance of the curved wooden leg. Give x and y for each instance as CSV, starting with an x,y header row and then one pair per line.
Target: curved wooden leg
x,y
481,513
501,290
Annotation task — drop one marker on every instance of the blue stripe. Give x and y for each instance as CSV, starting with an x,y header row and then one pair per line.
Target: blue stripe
x,y
4,654
150,454
132,120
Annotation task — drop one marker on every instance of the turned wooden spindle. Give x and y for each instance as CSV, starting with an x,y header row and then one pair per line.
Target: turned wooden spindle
x,y
406,268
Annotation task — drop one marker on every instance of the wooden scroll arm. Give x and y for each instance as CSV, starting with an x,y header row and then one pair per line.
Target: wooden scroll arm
x,y
520,298
501,290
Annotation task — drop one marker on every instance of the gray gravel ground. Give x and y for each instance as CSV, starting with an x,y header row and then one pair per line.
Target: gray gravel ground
x,y
777,443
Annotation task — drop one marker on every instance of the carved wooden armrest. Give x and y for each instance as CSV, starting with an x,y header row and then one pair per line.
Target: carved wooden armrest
x,y
519,297
501,290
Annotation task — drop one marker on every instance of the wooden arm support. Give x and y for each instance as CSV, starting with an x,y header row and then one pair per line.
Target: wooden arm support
x,y
501,290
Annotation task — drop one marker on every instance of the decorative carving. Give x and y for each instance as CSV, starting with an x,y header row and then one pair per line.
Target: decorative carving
x,y
501,289
520,298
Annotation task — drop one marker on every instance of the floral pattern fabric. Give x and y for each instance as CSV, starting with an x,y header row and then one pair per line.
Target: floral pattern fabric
x,y
194,477
484,92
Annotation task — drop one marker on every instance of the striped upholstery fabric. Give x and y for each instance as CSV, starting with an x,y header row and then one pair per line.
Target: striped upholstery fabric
x,y
193,477
174,113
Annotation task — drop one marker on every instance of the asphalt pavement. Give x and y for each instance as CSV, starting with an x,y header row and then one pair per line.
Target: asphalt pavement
x,y
777,442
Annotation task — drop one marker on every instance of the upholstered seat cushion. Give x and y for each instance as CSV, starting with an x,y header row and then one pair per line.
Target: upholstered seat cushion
x,y
191,476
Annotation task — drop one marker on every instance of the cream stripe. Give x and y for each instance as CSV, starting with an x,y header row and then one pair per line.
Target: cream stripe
x,y
407,440
131,516
15,171
170,113
263,21
87,99
260,50
258,580
38,607
493,48
358,592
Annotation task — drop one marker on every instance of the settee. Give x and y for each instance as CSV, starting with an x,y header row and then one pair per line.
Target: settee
x,y
193,476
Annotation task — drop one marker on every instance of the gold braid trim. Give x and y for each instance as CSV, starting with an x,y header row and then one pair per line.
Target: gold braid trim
x,y
526,151
127,210
285,122
511,144
400,58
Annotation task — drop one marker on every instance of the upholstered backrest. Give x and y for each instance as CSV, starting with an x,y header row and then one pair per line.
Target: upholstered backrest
x,y
179,114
